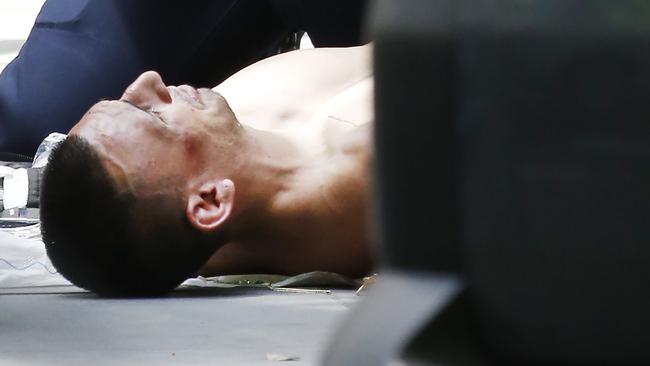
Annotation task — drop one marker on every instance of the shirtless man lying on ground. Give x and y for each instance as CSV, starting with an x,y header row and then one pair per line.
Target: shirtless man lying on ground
x,y
268,173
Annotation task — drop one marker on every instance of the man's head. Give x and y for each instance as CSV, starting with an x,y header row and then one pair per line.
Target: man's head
x,y
139,196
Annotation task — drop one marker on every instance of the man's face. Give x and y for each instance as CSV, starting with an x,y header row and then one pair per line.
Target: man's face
x,y
158,133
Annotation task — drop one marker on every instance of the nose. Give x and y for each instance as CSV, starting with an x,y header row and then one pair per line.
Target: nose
x,y
147,91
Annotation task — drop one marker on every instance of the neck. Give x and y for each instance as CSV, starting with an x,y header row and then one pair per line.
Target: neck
x,y
270,163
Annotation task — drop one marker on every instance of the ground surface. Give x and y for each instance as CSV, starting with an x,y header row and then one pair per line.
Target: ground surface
x,y
214,327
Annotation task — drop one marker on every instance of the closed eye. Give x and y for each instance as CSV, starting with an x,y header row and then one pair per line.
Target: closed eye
x,y
152,112
158,115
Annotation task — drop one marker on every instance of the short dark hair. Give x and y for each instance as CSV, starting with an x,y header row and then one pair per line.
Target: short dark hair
x,y
94,237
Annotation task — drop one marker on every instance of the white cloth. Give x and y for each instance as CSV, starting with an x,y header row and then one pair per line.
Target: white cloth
x,y
16,187
23,261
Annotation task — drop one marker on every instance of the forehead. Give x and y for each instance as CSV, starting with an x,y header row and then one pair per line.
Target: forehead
x,y
111,125
127,139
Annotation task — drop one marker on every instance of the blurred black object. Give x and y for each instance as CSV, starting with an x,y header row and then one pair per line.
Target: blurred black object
x,y
513,166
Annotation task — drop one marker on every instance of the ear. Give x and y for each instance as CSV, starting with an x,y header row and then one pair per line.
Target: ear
x,y
209,206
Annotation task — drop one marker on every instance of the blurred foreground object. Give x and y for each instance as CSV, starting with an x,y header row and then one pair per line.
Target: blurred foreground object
x,y
513,166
